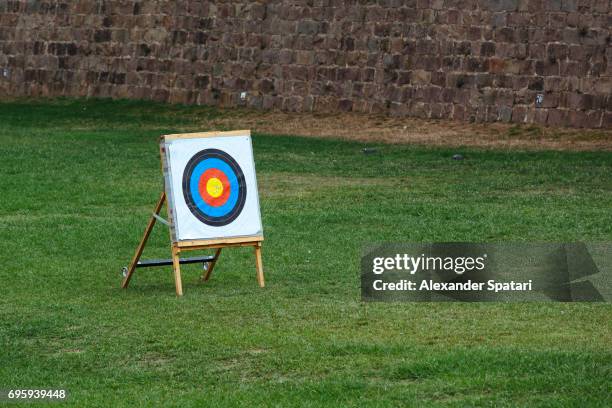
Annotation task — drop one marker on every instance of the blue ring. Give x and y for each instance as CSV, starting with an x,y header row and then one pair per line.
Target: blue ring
x,y
207,209
223,162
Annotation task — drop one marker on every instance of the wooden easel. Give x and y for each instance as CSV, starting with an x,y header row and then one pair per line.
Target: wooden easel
x,y
178,247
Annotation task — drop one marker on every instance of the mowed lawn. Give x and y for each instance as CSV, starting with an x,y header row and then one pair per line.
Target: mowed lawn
x,y
79,181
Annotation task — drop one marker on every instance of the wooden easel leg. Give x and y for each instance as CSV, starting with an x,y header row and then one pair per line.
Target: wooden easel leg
x,y
259,265
211,265
143,241
177,271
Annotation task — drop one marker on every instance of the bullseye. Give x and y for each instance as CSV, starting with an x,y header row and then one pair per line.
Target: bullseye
x,y
214,187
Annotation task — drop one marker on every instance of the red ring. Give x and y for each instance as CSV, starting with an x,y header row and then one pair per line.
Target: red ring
x,y
208,199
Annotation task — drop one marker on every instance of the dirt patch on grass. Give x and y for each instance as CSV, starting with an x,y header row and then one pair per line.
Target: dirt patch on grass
x,y
382,129
96,114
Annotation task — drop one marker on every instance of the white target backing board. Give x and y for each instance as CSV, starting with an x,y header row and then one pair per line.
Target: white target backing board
x,y
211,186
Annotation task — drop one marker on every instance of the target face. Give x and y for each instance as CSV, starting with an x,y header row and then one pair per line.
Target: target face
x,y
214,187
211,186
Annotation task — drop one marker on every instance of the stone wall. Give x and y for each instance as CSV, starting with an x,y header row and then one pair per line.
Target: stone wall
x,y
473,60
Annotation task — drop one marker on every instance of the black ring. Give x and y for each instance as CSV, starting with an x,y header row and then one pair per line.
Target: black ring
x,y
242,189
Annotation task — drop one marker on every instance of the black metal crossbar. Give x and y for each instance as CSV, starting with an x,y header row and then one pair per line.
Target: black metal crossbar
x,y
164,262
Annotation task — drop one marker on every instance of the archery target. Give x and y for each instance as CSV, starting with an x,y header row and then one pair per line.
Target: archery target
x,y
214,187
211,187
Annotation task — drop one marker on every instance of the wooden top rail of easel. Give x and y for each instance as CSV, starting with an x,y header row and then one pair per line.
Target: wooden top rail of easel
x,y
206,134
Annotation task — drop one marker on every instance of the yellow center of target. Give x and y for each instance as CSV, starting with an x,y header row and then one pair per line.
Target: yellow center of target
x,y
214,187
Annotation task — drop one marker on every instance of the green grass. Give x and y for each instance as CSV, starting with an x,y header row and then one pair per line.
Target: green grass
x,y
79,179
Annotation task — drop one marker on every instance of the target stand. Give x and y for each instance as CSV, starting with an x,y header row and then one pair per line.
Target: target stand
x,y
212,202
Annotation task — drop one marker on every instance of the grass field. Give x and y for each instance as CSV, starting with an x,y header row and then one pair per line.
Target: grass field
x,y
79,179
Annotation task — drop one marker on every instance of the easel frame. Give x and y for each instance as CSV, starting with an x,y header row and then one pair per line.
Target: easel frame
x,y
188,245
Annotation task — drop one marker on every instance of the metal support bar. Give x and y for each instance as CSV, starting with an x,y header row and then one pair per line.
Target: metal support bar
x,y
165,262
160,219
